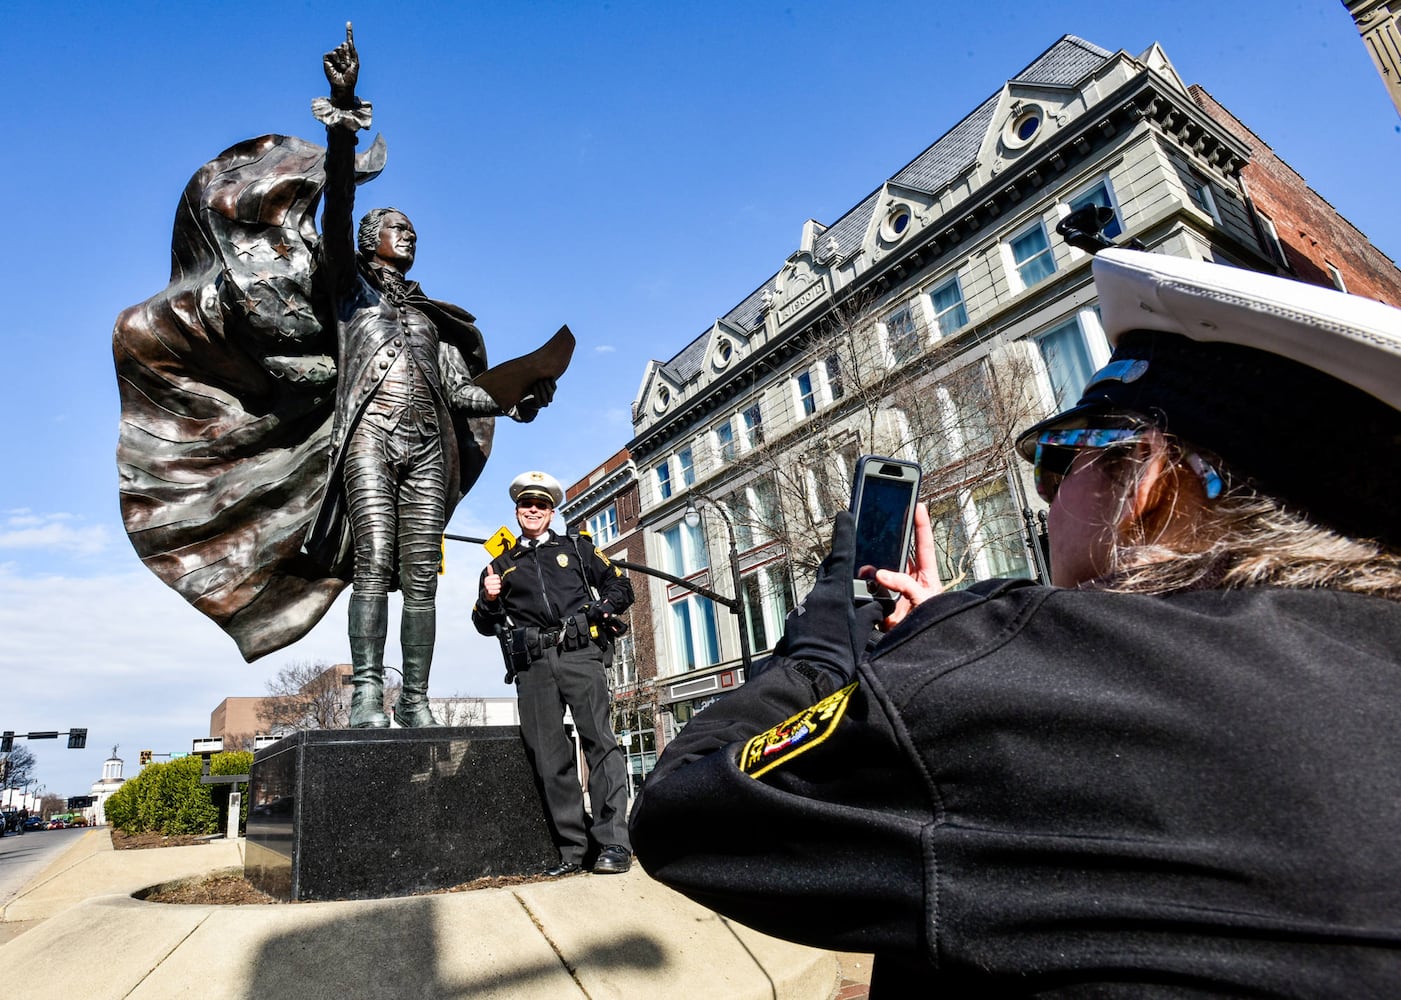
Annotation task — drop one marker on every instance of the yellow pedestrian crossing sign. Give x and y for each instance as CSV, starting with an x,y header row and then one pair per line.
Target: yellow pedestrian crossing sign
x,y
499,542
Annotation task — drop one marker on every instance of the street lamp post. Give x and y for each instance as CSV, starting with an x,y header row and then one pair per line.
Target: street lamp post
x,y
692,518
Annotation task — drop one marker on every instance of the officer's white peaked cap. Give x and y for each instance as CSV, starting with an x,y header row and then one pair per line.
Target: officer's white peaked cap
x,y
1355,340
1296,387
538,484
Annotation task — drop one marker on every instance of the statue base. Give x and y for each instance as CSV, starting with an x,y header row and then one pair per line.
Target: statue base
x,y
370,813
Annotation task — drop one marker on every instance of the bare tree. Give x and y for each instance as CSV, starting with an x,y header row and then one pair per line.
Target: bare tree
x,y
633,712
458,710
18,767
50,804
306,695
953,403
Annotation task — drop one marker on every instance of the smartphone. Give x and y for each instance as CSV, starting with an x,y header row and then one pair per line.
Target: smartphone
x,y
884,492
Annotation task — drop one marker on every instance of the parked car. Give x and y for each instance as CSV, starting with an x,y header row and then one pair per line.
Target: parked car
x,y
55,824
34,823
9,822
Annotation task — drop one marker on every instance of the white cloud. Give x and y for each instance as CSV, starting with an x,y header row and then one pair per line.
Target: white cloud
x,y
605,349
128,659
23,529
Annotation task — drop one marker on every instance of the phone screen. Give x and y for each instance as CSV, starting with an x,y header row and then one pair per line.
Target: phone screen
x,y
881,521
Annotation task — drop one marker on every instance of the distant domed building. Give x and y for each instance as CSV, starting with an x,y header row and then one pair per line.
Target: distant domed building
x,y
104,788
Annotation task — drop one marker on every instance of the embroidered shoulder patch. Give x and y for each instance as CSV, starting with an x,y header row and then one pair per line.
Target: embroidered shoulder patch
x,y
800,733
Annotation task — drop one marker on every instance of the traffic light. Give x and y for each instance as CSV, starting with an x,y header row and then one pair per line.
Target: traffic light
x,y
7,741
77,739
145,757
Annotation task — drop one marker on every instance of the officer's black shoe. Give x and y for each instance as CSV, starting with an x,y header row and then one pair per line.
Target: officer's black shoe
x,y
613,860
561,868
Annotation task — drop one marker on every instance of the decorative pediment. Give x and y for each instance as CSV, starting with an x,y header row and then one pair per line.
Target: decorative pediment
x,y
899,213
725,345
1026,116
658,393
1156,60
803,282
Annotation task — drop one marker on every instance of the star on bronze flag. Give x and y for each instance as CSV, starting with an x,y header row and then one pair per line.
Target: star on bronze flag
x,y
283,250
295,307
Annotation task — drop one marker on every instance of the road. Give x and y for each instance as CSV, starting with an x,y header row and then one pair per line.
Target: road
x,y
23,856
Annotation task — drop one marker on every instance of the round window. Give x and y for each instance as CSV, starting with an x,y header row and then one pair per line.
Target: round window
x,y
897,221
1023,126
663,398
724,350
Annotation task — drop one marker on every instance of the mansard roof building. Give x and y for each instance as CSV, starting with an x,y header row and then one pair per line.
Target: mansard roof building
x,y
931,321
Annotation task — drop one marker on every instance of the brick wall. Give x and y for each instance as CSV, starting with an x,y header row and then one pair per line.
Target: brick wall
x,y
1311,232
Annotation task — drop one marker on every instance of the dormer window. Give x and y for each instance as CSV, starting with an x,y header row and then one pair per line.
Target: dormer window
x,y
724,351
661,399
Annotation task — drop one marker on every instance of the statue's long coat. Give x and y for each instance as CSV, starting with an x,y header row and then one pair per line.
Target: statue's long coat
x,y
227,385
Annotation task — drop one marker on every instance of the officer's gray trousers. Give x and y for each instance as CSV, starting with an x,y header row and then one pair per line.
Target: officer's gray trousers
x,y
544,688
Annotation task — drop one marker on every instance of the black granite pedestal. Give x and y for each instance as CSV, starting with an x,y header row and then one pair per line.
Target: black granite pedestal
x,y
370,813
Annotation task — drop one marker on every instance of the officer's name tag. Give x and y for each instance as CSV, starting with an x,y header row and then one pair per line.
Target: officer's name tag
x,y
800,733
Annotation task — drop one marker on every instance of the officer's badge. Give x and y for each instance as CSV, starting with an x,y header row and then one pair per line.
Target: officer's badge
x,y
800,733
563,560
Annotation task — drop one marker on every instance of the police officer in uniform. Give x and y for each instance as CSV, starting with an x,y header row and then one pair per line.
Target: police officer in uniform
x,y
552,599
1174,772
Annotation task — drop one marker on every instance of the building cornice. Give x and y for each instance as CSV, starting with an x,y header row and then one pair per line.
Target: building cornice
x,y
607,488
1145,98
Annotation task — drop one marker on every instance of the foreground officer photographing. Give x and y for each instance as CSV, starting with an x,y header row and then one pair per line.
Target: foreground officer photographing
x,y
553,600
1174,773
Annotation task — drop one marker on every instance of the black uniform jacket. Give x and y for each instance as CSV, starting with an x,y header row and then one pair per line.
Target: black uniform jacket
x,y
1047,790
545,583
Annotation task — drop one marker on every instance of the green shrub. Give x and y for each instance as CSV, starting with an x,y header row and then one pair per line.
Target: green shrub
x,y
168,798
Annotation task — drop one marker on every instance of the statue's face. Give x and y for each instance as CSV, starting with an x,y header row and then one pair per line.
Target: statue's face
x,y
397,241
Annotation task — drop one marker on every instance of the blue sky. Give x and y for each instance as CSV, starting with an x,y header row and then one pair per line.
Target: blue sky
x,y
631,169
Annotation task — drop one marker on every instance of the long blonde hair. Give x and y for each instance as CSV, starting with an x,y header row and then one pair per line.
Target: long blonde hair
x,y
1245,538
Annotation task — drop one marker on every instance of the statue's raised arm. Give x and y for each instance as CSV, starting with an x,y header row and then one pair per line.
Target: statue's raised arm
x,y
342,65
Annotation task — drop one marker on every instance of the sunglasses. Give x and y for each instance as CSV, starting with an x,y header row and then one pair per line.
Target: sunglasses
x,y
535,503
1056,451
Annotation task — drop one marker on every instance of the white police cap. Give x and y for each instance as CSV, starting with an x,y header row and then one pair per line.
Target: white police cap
x,y
1355,340
1296,387
537,484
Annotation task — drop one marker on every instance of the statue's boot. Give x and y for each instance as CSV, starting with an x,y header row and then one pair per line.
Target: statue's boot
x,y
369,617
417,632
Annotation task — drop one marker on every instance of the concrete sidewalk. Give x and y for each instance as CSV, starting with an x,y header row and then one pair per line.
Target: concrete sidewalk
x,y
586,936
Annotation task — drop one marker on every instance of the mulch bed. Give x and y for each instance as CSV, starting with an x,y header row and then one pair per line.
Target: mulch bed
x,y
223,888
216,889
141,841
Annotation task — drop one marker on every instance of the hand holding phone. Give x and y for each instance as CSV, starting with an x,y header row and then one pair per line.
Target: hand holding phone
x,y
884,494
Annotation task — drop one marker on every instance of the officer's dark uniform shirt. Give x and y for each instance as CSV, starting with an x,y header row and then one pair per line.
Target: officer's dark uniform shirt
x,y
541,583
1058,792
